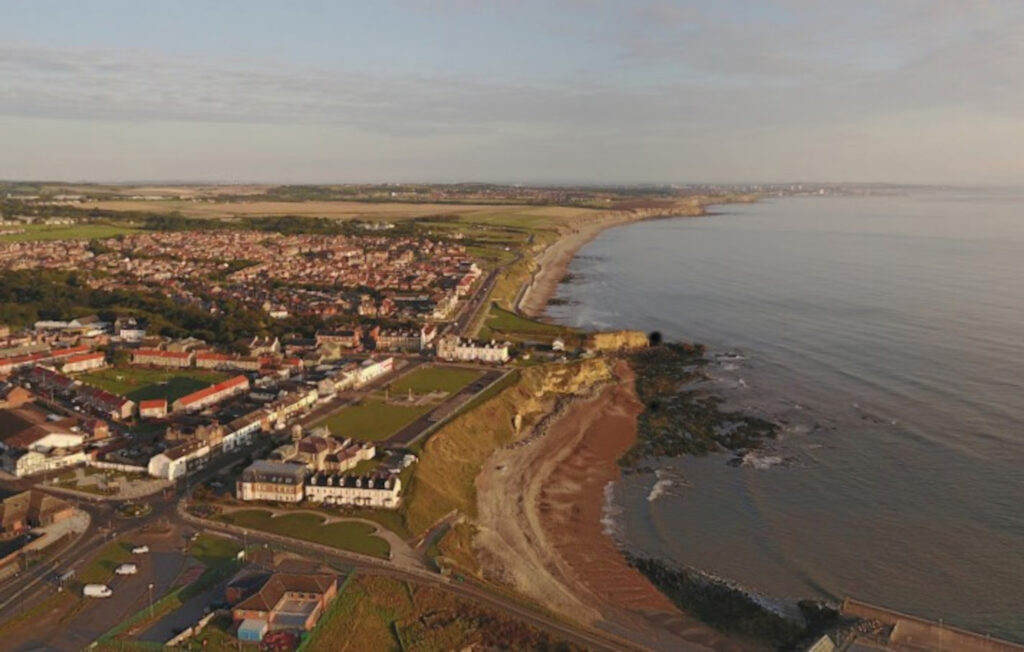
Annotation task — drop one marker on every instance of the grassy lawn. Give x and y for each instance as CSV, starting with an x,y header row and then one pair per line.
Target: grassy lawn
x,y
214,550
434,379
66,232
373,420
140,384
353,536
101,569
505,321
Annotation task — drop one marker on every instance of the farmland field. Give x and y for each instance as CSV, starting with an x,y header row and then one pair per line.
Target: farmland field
x,y
66,232
491,214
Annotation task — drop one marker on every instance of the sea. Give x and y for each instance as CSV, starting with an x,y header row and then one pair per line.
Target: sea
x,y
885,336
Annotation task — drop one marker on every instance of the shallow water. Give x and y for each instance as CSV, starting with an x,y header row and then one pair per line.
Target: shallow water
x,y
885,333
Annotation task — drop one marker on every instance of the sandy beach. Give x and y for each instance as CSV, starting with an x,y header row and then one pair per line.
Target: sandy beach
x,y
550,543
553,263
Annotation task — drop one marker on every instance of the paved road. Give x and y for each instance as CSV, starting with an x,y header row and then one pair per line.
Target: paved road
x,y
463,324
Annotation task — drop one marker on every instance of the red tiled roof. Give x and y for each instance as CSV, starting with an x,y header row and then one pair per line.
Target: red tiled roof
x,y
213,389
157,353
60,353
213,356
85,357
153,403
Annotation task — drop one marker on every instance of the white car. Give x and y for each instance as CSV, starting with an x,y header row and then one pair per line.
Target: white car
x,y
97,591
140,550
126,569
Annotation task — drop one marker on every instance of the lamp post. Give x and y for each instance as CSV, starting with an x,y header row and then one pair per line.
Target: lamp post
x,y
150,585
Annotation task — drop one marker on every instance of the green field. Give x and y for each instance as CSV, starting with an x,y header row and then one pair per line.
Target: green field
x,y
68,232
141,384
373,420
505,324
434,379
347,535
213,550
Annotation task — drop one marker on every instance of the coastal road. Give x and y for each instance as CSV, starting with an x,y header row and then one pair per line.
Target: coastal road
x,y
463,324
440,414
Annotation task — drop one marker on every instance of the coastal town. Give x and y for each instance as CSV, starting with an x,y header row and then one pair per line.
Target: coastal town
x,y
302,275
448,326
216,436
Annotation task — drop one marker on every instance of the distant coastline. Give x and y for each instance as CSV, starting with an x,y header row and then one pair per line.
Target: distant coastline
x,y
553,262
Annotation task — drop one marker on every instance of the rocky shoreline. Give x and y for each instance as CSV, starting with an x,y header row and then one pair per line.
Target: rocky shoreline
x,y
669,418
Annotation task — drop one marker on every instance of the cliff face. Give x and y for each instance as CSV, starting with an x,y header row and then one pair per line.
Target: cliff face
x,y
617,341
452,457
543,382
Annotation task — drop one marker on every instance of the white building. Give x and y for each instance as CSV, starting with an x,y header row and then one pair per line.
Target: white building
x,y
451,348
175,462
37,461
84,362
361,491
372,369
242,431
272,481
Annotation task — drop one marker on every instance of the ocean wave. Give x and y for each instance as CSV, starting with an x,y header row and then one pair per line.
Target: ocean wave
x,y
610,512
720,357
761,462
660,487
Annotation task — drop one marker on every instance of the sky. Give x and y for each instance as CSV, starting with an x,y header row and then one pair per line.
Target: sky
x,y
515,91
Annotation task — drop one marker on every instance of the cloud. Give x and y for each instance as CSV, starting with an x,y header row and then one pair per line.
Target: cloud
x,y
665,90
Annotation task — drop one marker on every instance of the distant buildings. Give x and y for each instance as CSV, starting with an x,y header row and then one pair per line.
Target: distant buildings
x,y
348,339
84,362
158,358
223,361
153,409
31,443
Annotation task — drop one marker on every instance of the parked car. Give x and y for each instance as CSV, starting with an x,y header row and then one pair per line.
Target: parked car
x,y
140,550
126,569
97,591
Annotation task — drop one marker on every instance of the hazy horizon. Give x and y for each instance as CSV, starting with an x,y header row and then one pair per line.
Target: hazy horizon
x,y
570,92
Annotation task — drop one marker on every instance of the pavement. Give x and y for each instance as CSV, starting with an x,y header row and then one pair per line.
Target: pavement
x,y
185,616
